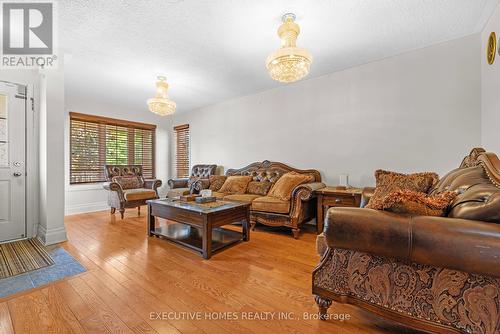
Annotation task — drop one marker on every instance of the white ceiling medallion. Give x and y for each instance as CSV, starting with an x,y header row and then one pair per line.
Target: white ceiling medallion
x,y
161,104
289,63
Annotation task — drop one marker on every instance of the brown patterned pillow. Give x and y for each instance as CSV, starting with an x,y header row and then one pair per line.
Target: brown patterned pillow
x,y
259,187
236,184
283,188
129,182
216,182
388,182
417,203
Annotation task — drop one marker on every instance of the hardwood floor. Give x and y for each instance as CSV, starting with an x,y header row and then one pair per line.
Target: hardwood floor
x,y
132,279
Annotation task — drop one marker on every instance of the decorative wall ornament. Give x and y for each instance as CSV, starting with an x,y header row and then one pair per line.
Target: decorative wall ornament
x,y
491,49
161,104
289,63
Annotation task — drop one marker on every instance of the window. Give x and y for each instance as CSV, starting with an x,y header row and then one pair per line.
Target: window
x,y
97,141
182,150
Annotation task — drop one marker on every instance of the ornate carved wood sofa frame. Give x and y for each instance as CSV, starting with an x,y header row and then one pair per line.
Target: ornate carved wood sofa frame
x,y
437,274
302,203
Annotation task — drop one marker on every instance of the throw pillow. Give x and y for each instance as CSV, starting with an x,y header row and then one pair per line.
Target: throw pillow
x,y
259,187
129,182
216,182
387,182
283,188
417,203
236,184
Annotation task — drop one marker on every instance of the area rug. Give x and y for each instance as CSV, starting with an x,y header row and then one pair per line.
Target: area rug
x,y
64,266
22,256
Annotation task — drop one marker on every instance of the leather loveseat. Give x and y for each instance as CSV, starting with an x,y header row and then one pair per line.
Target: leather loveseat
x,y
184,186
269,210
437,274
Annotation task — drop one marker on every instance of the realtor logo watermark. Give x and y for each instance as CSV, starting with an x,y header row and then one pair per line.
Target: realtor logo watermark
x,y
28,35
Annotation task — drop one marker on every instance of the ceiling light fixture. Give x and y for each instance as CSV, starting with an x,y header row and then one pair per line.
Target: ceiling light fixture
x,y
161,104
289,63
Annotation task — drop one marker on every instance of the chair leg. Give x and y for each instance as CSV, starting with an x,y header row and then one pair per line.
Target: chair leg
x,y
296,232
323,305
122,212
113,210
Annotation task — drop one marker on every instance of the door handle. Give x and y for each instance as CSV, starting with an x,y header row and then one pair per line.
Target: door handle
x,y
17,174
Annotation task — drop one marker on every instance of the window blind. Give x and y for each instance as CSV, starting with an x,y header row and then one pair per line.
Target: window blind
x,y
97,141
182,150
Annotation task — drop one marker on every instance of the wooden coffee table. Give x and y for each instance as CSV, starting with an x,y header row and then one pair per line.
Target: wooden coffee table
x,y
199,226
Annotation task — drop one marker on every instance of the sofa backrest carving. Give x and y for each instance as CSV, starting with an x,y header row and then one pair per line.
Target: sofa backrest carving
x,y
111,171
203,171
271,171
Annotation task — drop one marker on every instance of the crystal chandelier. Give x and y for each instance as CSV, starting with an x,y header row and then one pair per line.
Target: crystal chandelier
x,y
289,63
161,104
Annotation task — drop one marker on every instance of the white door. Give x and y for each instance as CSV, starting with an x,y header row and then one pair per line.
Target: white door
x,y
12,161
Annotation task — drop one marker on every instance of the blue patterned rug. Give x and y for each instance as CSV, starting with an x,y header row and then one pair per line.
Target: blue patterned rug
x,y
64,265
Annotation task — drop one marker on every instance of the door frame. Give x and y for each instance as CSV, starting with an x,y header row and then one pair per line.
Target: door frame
x,y
31,212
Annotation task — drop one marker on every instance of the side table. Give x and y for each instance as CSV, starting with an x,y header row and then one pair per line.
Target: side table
x,y
330,196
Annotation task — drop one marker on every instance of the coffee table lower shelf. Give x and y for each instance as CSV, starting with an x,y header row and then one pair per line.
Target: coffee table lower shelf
x,y
191,237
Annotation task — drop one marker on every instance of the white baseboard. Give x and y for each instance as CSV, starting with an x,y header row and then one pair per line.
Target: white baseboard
x,y
86,207
52,236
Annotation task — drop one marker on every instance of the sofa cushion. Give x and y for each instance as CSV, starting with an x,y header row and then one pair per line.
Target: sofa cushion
x,y
260,188
241,197
176,192
387,182
283,188
191,180
415,203
218,194
129,182
139,194
271,204
216,182
236,184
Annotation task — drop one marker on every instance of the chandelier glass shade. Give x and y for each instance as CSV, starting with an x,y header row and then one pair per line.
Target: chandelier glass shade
x,y
289,63
161,104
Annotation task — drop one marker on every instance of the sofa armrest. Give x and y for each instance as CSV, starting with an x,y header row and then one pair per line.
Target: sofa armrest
x,y
178,183
366,195
460,244
152,184
306,191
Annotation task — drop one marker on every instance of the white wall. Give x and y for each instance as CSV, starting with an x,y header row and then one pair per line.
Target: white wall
x,y
490,83
87,198
418,111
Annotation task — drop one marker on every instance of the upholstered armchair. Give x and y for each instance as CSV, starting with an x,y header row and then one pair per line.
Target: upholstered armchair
x,y
184,186
127,188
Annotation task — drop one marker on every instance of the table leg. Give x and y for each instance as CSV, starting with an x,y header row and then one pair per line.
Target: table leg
x,y
246,227
319,215
207,240
151,221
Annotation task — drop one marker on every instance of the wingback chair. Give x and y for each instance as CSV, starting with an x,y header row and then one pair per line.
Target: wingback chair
x,y
127,188
184,186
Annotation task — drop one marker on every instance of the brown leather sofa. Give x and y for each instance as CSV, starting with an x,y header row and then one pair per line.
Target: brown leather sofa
x,y
273,211
437,274
127,188
184,186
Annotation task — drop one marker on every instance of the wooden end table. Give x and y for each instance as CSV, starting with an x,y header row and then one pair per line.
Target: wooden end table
x,y
199,226
330,196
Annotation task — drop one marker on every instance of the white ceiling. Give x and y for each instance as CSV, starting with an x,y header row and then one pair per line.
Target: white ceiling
x,y
214,50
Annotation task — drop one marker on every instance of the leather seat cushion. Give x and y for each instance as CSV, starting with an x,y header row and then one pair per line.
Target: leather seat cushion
x,y
176,192
271,204
139,194
241,197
